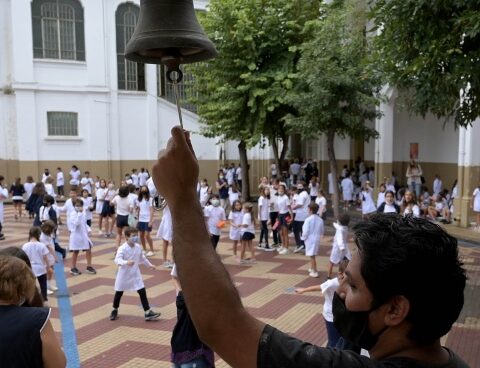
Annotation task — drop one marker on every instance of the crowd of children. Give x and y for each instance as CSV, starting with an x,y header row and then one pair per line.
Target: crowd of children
x,y
296,205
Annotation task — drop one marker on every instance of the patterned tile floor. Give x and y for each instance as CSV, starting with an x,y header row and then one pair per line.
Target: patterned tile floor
x,y
266,290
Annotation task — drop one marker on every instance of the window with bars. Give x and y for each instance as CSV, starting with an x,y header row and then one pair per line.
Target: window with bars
x,y
186,89
131,75
63,124
58,30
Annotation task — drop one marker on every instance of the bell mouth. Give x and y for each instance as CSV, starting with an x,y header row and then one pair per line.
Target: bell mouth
x,y
168,53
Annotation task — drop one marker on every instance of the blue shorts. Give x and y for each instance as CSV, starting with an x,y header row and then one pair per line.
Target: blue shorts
x,y
143,226
282,219
248,236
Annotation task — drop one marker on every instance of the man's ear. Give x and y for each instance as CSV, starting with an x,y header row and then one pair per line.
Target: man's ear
x,y
398,309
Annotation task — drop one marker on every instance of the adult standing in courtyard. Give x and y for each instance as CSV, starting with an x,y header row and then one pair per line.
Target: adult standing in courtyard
x,y
414,177
381,305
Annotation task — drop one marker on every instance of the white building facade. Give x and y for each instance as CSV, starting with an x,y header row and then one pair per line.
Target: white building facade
x,y
68,96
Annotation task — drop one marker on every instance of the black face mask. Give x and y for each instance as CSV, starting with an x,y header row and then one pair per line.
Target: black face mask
x,y
353,326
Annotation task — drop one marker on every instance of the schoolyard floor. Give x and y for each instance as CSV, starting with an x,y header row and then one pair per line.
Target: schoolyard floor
x,y
82,305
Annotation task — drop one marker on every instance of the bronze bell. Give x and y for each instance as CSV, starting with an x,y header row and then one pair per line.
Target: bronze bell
x,y
168,33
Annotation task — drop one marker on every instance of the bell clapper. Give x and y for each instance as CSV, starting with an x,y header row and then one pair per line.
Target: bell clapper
x,y
175,81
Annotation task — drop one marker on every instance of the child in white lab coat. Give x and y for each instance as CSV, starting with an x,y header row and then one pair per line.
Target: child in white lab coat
x,y
79,240
340,243
128,258
312,232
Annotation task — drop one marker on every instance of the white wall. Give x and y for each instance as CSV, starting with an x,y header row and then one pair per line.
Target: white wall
x,y
113,125
437,142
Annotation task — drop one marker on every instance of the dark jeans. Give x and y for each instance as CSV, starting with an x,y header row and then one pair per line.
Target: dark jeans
x,y
332,333
1,227
297,232
214,239
273,219
42,280
143,297
60,190
264,232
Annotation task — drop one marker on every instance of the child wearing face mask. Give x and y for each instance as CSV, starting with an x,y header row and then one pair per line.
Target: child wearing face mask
x,y
128,258
214,218
79,239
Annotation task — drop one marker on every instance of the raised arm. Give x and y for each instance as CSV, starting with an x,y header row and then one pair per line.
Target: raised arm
x,y
211,297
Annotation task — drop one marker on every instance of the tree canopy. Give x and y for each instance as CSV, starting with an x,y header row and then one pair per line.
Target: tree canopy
x,y
335,95
431,48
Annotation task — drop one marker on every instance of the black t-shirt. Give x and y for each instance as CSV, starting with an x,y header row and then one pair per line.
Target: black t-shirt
x,y
278,350
20,341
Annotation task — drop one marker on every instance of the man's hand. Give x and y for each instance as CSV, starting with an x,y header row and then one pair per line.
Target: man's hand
x,y
130,263
176,171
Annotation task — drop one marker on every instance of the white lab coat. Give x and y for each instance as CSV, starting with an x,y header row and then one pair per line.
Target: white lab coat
x,y
129,277
3,196
340,244
312,231
77,225
165,231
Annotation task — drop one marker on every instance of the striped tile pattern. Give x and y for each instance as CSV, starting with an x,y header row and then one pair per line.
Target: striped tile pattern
x,y
265,289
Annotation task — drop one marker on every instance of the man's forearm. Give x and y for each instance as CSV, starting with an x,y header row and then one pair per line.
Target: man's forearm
x,y
203,277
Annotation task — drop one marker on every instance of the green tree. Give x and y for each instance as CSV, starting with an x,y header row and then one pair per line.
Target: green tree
x,y
335,94
242,94
431,48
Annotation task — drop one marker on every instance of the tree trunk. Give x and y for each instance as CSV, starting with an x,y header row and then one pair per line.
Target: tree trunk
x,y
333,169
280,158
245,189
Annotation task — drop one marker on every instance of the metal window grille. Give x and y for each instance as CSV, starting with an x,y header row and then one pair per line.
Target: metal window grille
x,y
129,22
187,90
58,31
131,75
62,124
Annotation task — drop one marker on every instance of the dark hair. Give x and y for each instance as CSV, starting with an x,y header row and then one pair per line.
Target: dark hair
x,y
48,227
143,195
49,200
16,252
129,231
34,232
417,259
2,178
123,191
39,189
84,190
235,204
131,188
344,219
313,207
78,202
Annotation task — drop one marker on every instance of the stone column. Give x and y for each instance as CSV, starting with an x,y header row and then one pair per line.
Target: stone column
x,y
468,172
384,143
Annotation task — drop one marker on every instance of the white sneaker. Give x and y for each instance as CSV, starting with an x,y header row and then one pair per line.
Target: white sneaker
x,y
149,254
167,264
49,292
283,251
299,249
313,274
52,288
